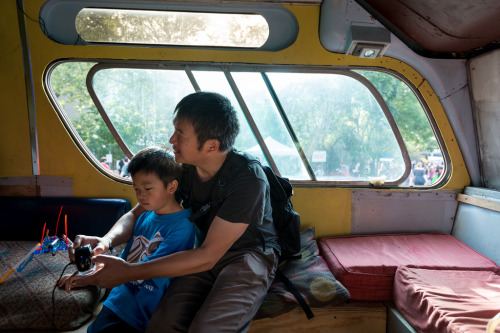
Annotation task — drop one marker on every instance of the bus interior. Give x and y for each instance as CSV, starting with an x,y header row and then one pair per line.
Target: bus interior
x,y
383,114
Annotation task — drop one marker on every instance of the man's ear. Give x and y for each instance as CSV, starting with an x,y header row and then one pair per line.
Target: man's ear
x,y
172,186
212,145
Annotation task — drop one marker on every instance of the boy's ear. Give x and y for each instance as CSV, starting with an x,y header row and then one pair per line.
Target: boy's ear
x,y
172,186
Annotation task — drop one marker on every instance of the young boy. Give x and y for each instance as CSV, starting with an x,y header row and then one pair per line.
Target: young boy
x,y
163,229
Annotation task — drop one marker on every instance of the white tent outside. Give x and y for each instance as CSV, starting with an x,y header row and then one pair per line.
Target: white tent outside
x,y
276,148
287,158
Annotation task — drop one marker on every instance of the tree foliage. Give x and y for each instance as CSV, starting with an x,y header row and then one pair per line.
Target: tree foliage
x,y
328,112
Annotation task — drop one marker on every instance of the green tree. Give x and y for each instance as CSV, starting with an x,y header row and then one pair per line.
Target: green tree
x,y
68,81
407,112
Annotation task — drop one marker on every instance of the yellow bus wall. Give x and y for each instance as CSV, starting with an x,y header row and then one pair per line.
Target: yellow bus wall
x,y
328,209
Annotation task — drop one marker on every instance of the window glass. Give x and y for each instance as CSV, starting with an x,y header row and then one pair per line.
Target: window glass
x,y
341,127
414,126
171,28
271,127
216,81
140,102
334,118
67,81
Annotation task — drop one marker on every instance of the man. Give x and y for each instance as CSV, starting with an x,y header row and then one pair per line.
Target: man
x,y
221,283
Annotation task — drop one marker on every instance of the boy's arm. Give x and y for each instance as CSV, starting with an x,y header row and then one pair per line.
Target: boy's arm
x,y
120,233
221,235
123,229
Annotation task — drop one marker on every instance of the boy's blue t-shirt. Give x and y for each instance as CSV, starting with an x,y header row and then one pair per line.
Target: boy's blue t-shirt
x,y
154,236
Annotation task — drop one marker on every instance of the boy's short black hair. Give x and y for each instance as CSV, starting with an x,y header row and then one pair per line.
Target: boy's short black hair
x,y
158,160
212,116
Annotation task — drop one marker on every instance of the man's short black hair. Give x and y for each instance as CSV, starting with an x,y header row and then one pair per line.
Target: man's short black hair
x,y
212,116
158,160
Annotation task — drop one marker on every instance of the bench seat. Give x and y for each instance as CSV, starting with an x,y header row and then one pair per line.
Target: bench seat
x,y
354,317
435,301
366,264
28,300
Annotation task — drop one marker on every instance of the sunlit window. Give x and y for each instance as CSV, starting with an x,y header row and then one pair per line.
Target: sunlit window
x,y
318,126
414,126
171,28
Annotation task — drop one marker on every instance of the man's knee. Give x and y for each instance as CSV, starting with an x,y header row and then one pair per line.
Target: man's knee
x,y
179,305
169,317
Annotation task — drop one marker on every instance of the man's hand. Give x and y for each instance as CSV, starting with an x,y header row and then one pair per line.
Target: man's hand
x,y
99,245
68,281
110,272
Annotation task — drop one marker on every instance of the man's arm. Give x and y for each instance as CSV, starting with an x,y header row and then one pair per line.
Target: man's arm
x,y
221,235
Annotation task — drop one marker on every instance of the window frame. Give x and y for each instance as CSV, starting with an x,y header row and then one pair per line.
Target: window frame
x,y
227,69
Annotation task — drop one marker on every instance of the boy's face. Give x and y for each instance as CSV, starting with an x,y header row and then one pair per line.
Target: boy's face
x,y
151,192
185,142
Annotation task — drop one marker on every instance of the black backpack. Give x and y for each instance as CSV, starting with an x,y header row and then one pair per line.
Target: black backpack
x,y
285,219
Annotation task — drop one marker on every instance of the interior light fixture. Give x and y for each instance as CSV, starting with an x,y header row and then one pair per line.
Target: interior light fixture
x,y
367,41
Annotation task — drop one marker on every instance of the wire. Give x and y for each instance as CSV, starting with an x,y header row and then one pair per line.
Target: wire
x,y
19,7
43,26
53,295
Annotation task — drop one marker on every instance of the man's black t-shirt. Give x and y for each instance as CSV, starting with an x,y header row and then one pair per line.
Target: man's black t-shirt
x,y
247,201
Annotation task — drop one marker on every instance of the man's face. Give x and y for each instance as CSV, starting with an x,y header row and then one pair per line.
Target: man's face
x,y
185,142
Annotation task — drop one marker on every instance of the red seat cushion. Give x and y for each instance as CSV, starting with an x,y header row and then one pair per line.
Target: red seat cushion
x,y
366,264
435,301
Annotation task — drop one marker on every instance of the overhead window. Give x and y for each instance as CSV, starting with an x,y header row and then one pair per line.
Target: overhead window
x,y
229,26
313,125
126,26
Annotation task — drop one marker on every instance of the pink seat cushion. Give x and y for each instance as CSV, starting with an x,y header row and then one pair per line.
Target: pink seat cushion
x,y
436,301
366,264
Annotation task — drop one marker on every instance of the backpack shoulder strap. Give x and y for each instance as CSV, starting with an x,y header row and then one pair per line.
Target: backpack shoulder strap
x,y
298,296
183,193
234,163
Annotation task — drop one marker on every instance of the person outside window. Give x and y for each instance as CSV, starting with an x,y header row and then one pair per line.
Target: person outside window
x,y
420,174
104,164
124,166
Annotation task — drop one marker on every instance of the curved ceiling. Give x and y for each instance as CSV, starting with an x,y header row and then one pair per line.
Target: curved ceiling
x,y
441,28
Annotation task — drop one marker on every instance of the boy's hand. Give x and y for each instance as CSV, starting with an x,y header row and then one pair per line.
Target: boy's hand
x,y
99,245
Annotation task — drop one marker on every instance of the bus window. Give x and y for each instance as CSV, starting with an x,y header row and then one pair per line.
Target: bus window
x,y
127,26
140,112
271,126
415,127
340,125
312,125
234,26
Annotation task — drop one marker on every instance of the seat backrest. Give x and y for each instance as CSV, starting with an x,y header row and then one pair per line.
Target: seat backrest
x,y
477,222
23,218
